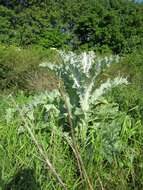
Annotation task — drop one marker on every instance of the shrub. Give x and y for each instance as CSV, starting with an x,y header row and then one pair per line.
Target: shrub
x,y
19,69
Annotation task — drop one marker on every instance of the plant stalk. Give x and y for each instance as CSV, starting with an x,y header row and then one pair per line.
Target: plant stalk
x,y
77,153
41,150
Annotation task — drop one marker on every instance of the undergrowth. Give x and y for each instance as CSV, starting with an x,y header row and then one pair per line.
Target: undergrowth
x,y
82,135
111,151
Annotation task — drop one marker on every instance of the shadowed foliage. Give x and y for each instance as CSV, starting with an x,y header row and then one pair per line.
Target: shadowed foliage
x,y
23,180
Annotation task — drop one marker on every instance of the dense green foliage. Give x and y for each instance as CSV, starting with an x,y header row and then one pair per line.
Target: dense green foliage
x,y
19,69
102,25
85,116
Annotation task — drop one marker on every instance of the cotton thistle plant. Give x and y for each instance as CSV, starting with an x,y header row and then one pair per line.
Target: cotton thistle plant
x,y
79,73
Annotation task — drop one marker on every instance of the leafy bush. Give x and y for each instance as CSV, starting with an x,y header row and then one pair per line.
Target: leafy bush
x,y
19,69
130,66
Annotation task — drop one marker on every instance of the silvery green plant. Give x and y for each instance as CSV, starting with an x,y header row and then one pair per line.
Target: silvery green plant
x,y
79,73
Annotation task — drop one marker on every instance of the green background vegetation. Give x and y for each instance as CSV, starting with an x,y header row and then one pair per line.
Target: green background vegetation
x,y
103,25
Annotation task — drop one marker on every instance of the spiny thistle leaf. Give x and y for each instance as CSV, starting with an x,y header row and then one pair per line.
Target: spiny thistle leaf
x,y
79,72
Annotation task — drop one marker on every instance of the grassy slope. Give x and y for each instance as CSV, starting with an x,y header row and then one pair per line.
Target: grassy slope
x,y
21,168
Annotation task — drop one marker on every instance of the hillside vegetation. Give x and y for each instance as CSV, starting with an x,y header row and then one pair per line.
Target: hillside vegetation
x,y
71,104
102,25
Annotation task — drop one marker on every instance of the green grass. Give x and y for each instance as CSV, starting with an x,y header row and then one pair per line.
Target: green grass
x,y
112,151
19,157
